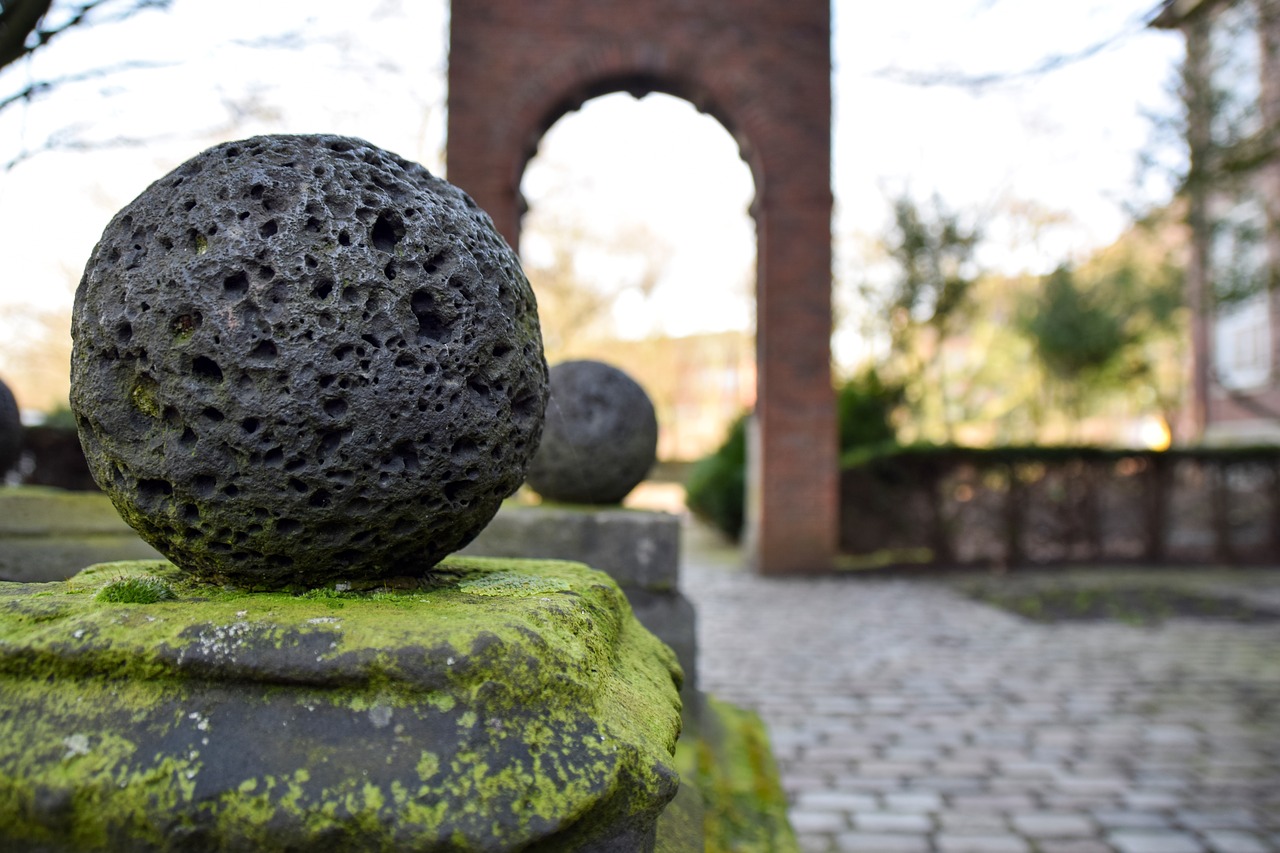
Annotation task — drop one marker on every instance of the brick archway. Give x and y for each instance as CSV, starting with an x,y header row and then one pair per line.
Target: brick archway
x,y
763,69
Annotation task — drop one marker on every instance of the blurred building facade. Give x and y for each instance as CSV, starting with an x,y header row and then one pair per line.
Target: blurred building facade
x,y
1231,94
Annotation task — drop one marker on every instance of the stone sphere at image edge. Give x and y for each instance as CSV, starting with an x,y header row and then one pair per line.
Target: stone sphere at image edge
x,y
601,435
302,358
10,430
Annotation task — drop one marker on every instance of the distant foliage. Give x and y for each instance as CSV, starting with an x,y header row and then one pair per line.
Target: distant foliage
x,y
716,487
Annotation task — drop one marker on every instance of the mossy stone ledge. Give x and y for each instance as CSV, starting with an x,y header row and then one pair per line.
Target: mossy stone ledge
x,y
496,705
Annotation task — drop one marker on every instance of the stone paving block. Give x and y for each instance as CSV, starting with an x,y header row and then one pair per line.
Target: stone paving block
x,y
912,802
1228,819
967,822
1235,841
1010,803
808,822
836,801
814,843
1125,819
1074,845
1151,841
948,842
1151,800
873,842
892,822
1051,825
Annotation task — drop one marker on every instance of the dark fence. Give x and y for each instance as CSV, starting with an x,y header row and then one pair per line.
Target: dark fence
x,y
1026,506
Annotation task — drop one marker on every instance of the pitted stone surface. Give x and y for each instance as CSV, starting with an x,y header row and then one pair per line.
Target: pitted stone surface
x,y
601,435
300,358
10,430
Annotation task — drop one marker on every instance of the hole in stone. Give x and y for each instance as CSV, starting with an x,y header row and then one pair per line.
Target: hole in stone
x,y
298,486
295,465
274,456
330,440
269,228
263,351
371,340
312,225
287,526
452,491
249,425
190,513
124,332
185,324
407,454
430,325
206,368
326,380
256,191
151,490
266,273
319,498
231,491
203,485
212,414
344,239
388,229
463,448
343,351
188,437
189,205
390,270
236,284
322,289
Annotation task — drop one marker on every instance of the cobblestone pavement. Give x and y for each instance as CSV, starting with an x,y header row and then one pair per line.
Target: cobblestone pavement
x,y
907,717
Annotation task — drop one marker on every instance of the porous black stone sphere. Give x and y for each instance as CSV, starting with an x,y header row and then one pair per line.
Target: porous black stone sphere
x,y
600,438
10,430
299,359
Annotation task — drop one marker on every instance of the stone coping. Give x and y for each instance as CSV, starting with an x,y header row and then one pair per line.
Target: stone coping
x,y
497,705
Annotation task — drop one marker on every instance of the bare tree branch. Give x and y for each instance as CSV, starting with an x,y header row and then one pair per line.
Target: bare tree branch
x,y
41,87
978,82
18,19
79,16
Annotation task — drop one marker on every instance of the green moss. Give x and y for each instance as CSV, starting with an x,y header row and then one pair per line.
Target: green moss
x,y
137,589
144,397
732,764
500,703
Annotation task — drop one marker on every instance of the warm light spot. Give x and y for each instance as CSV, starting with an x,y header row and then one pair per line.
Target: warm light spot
x,y
1154,433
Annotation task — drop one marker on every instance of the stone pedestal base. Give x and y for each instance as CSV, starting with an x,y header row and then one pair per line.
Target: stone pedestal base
x,y
503,705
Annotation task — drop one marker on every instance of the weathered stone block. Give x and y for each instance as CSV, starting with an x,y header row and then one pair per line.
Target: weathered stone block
x,y
496,705
50,534
637,548
303,358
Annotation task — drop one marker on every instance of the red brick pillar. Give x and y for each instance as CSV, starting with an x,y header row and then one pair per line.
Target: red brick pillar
x,y
761,67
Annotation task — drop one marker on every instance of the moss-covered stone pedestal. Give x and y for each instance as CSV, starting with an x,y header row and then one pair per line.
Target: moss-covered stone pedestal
x,y
502,705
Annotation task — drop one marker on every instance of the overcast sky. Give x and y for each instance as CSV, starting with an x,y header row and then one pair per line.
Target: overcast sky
x,y
217,69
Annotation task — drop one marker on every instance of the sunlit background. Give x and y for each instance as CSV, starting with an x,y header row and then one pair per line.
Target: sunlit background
x,y
1033,123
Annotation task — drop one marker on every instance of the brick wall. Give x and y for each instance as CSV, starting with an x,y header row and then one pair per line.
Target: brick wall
x,y
763,69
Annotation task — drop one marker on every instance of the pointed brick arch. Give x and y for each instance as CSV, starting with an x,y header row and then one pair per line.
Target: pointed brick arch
x,y
763,69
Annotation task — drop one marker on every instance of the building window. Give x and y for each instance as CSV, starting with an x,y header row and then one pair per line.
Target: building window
x,y
1243,343
1236,76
